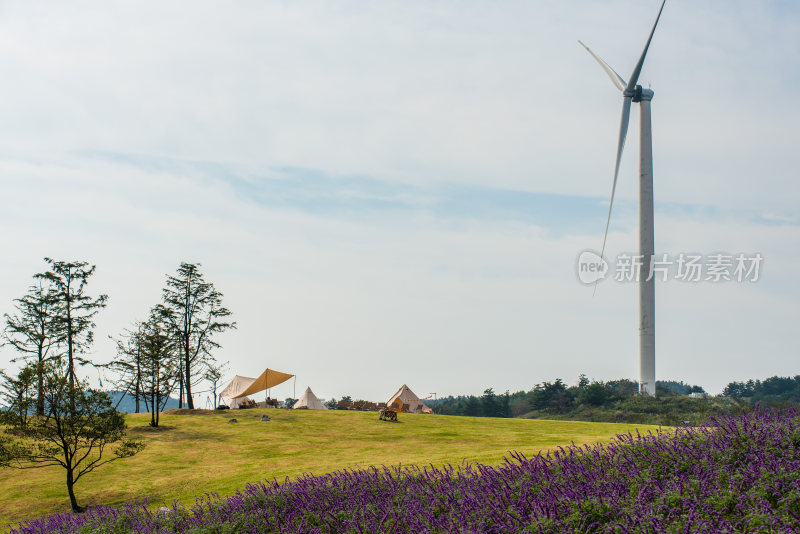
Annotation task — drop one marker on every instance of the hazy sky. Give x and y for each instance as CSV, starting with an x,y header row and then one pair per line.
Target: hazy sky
x,y
395,192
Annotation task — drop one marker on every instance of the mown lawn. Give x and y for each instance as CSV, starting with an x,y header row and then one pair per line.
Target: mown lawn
x,y
196,454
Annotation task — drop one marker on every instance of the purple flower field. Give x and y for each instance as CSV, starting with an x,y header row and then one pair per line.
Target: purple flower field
x,y
738,474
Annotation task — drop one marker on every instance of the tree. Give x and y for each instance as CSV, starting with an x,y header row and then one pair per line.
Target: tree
x,y
623,387
331,404
159,365
76,309
196,315
594,394
737,390
583,381
505,405
34,331
550,396
128,364
79,431
213,374
17,391
489,406
472,406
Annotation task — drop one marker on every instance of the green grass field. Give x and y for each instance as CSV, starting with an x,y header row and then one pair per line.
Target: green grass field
x,y
195,454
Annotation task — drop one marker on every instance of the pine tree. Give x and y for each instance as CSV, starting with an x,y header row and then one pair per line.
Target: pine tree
x,y
193,309
160,369
35,331
76,309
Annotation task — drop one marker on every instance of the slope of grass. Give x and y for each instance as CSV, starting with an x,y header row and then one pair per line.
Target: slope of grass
x,y
196,454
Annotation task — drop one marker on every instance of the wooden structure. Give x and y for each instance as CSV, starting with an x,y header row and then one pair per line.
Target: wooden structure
x,y
387,414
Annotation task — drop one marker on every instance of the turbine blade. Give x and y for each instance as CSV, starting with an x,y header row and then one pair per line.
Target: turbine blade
x,y
615,78
638,69
623,132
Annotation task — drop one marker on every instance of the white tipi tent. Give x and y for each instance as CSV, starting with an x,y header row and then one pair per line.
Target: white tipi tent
x,y
406,401
236,387
308,401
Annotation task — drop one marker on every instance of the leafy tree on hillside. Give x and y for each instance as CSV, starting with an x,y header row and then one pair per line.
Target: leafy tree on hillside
x,y
623,388
79,431
472,406
594,394
505,405
772,389
194,310
35,330
551,396
489,406
75,308
778,385
740,389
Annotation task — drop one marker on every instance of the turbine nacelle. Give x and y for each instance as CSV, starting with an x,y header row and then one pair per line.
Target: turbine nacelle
x,y
640,93
631,92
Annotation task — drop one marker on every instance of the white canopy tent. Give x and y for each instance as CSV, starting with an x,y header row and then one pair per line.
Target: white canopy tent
x,y
308,401
237,386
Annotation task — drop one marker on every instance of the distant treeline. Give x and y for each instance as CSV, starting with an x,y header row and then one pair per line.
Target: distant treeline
x,y
557,398
775,389
553,397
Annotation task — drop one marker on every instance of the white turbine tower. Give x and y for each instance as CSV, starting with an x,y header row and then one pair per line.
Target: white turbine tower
x,y
631,92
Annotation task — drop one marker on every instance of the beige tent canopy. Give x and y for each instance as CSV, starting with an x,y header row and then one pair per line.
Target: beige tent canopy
x,y
308,401
406,401
269,378
232,390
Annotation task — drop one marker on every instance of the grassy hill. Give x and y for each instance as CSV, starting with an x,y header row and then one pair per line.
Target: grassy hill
x,y
198,453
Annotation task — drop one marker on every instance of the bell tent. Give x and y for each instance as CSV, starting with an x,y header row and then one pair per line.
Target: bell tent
x,y
232,390
406,401
308,401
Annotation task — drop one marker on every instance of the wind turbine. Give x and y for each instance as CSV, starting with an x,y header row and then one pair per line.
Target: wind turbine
x,y
631,92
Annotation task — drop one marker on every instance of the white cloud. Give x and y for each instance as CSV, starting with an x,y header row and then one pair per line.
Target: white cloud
x,y
477,95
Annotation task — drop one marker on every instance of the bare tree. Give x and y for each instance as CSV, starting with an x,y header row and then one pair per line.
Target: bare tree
x,y
194,311
213,374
